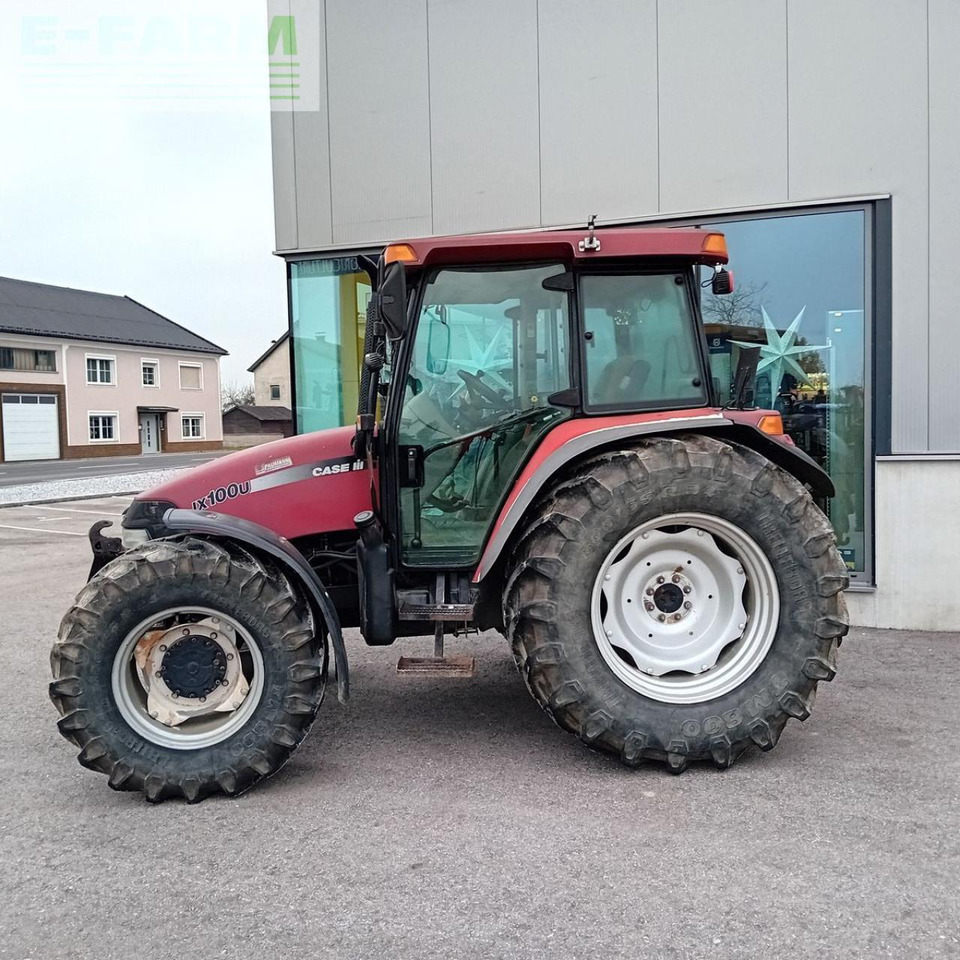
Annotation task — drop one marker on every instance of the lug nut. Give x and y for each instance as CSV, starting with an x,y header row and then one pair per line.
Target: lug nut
x,y
686,589
662,617
659,579
649,591
213,636
163,647
644,536
647,605
675,578
214,619
185,631
203,699
176,693
223,683
158,674
229,656
687,605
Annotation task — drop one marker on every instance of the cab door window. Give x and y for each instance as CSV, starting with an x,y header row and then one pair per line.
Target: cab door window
x,y
640,342
491,346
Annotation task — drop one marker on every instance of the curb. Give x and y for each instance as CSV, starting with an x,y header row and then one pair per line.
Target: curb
x,y
83,496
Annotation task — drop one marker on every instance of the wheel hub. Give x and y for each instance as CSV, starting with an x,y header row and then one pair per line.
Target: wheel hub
x,y
193,667
190,671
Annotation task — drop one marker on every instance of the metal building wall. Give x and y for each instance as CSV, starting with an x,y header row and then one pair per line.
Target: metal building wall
x,y
443,116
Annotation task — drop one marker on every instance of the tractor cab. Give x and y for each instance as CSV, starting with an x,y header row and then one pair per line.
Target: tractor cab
x,y
480,348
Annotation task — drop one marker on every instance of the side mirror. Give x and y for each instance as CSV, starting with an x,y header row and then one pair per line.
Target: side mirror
x,y
722,282
392,300
439,352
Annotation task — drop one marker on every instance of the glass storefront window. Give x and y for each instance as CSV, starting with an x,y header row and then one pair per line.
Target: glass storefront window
x,y
328,300
801,298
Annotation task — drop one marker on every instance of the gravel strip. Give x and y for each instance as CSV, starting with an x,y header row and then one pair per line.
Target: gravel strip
x,y
51,491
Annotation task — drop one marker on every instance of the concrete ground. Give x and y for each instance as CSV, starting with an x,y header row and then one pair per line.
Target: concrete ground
x,y
40,471
450,818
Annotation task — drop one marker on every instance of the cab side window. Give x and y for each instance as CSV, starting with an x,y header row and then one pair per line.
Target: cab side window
x,y
640,346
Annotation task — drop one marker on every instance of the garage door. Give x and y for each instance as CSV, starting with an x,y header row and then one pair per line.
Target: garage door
x,y
31,428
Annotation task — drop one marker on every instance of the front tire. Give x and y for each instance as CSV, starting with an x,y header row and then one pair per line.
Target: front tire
x,y
613,656
187,668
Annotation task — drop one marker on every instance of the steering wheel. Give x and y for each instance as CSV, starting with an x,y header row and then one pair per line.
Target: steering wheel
x,y
482,391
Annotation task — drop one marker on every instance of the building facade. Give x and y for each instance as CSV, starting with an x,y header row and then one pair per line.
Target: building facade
x,y
271,374
820,136
84,374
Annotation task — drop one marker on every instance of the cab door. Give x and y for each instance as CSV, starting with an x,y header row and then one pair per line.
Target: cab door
x,y
491,347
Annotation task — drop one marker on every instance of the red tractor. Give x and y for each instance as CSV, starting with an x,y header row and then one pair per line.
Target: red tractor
x,y
540,449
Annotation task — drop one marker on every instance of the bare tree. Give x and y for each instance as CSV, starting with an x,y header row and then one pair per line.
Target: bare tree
x,y
738,309
235,394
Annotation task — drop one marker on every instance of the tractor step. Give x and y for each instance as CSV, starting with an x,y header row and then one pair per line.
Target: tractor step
x,y
436,611
438,666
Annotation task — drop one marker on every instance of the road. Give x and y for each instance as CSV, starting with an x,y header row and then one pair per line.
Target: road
x,y
434,818
37,471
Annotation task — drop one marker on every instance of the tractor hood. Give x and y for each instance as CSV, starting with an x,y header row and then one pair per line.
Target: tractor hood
x,y
297,486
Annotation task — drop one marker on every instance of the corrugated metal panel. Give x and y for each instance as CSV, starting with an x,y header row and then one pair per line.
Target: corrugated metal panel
x,y
484,114
379,119
944,222
284,170
311,146
858,124
598,103
723,96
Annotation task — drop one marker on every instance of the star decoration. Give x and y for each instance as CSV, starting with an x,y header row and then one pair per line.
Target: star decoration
x,y
779,351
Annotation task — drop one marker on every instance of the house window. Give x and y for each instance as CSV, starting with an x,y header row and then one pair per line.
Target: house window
x,y
192,427
100,369
103,426
29,361
149,370
802,297
274,391
191,376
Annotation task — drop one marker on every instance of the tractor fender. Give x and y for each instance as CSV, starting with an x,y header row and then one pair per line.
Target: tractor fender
x,y
571,440
263,540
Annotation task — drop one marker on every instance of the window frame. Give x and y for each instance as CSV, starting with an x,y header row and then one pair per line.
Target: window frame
x,y
111,359
278,395
689,273
115,415
877,325
203,426
189,363
28,349
150,361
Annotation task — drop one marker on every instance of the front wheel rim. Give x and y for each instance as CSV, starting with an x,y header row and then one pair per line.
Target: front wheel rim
x,y
685,608
203,729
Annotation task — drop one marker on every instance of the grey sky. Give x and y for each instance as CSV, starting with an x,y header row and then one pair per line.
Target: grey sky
x,y
135,159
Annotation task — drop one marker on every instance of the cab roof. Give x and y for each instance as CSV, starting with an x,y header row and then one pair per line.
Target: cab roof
x,y
687,243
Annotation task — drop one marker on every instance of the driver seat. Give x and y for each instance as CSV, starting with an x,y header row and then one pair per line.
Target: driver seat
x,y
622,380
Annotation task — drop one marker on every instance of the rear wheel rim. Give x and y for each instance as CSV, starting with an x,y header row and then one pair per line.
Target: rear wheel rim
x,y
205,730
685,608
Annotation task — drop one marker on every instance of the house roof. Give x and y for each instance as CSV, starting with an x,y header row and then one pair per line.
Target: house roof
x,y
262,412
41,310
273,346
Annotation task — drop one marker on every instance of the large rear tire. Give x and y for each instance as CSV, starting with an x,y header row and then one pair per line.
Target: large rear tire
x,y
676,601
187,668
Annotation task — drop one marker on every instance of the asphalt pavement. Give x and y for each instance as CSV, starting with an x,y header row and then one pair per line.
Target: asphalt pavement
x,y
442,818
36,471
